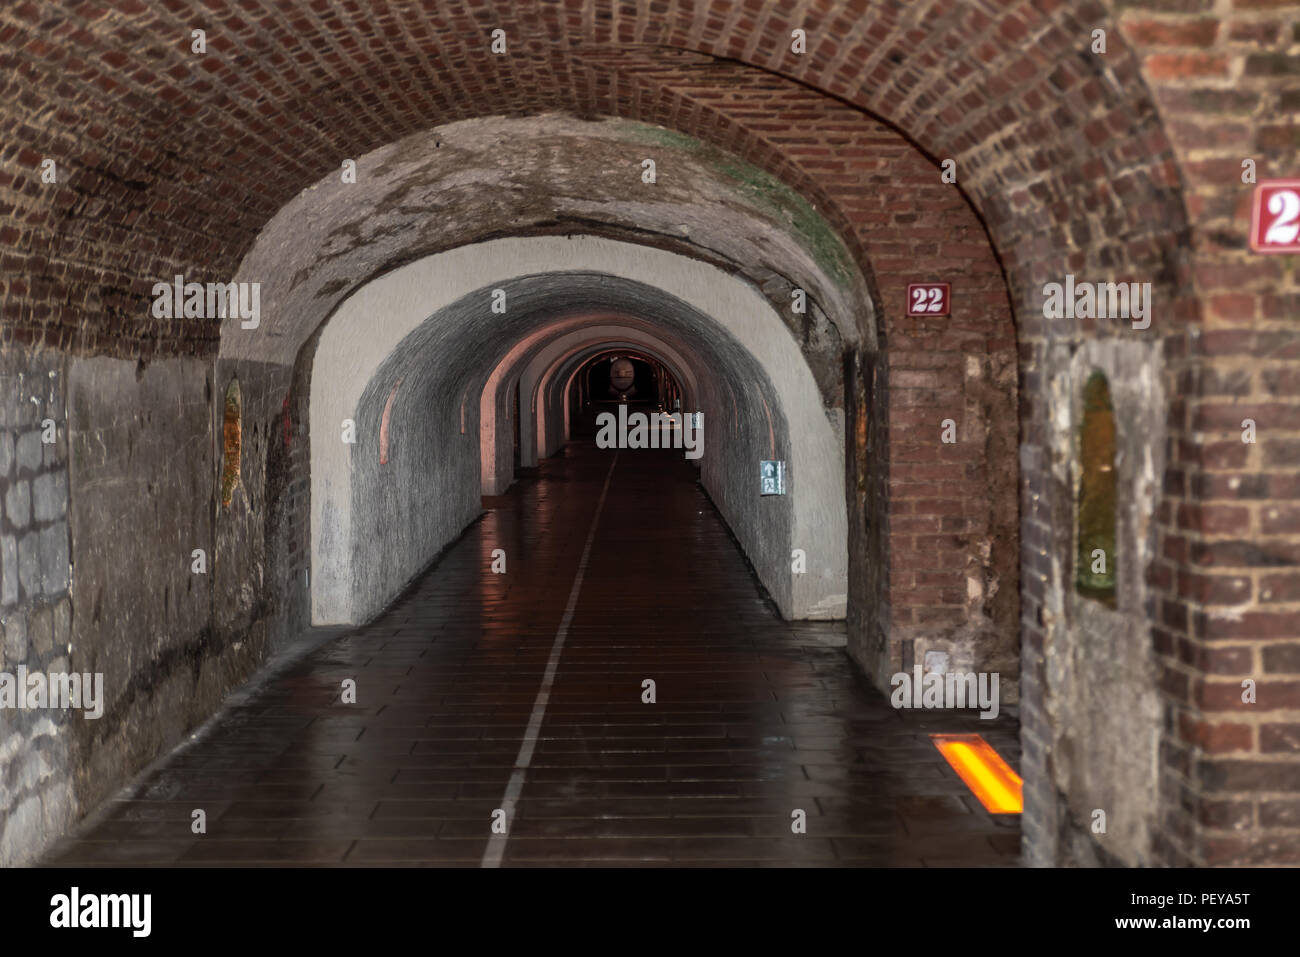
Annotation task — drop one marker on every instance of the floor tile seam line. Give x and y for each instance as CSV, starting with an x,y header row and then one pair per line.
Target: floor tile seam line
x,y
496,847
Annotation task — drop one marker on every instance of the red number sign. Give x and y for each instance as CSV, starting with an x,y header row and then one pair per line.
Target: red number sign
x,y
929,299
1275,217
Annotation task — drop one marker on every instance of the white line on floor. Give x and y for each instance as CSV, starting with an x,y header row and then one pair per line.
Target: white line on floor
x,y
496,847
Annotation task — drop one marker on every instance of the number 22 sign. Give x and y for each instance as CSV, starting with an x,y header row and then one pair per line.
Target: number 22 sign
x,y
1275,217
929,299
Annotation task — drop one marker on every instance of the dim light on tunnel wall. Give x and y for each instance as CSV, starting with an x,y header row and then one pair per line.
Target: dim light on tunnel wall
x,y
982,769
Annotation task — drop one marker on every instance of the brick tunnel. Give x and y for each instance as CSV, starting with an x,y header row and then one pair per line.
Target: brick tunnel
x,y
949,321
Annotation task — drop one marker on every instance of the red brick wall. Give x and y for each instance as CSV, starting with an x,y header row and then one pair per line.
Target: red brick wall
x,y
1226,78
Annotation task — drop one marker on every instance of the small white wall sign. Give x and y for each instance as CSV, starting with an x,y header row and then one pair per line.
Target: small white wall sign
x,y
772,478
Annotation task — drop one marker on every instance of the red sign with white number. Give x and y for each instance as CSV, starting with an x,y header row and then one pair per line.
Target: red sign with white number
x,y
929,299
1275,217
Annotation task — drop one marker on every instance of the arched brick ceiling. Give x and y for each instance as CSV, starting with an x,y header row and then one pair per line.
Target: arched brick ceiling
x,y
174,161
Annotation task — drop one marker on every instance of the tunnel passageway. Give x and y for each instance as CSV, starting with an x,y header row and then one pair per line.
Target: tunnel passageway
x,y
292,293
754,717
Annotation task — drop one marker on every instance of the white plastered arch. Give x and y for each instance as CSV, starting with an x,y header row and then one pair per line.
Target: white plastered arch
x,y
371,323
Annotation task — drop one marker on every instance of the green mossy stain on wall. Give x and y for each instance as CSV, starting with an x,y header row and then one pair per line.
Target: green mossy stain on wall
x,y
763,190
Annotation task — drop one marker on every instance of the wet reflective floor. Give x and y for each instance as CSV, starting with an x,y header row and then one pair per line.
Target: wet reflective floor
x,y
515,701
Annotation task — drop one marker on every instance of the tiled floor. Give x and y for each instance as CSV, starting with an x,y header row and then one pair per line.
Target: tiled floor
x,y
754,718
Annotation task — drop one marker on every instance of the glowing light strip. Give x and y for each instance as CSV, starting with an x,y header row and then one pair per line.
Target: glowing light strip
x,y
990,778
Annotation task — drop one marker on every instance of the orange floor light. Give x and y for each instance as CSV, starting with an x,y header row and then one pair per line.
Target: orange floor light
x,y
985,773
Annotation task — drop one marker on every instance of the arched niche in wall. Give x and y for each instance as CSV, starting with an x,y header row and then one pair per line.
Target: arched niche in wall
x,y
232,439
1095,515
386,421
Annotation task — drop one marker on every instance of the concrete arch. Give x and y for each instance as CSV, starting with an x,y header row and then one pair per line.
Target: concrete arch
x,y
365,347
714,209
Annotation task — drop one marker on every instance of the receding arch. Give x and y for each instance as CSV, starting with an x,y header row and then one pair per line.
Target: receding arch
x,y
533,352
553,388
557,385
539,373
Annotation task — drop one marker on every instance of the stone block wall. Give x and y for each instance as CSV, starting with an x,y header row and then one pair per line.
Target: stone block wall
x,y
37,800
